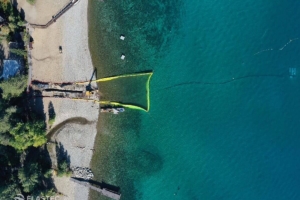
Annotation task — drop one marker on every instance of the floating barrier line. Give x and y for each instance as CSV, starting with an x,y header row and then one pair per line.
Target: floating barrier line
x,y
131,106
116,77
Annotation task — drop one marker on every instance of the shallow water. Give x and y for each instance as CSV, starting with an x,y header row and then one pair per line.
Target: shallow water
x,y
224,117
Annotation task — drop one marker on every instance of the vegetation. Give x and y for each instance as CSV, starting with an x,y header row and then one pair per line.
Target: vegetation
x,y
63,166
19,52
63,169
28,134
51,121
13,87
13,21
25,164
32,2
26,37
28,177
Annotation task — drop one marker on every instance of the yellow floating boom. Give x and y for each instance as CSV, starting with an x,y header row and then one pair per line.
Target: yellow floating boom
x,y
121,104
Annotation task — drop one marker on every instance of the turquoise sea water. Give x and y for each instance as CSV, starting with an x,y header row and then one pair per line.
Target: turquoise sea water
x,y
224,117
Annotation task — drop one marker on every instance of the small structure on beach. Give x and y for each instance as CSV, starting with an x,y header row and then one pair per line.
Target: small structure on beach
x,y
122,37
10,68
30,45
122,56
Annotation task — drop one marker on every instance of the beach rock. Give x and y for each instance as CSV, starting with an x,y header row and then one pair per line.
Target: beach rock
x,y
82,172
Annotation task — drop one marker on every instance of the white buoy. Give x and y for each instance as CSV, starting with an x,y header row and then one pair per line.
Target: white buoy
x,y
122,56
122,37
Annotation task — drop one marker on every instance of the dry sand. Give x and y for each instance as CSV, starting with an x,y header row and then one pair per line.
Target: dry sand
x,y
73,64
42,11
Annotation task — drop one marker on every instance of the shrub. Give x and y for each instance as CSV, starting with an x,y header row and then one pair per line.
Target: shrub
x,y
28,177
63,169
28,134
19,52
32,2
13,87
51,121
5,30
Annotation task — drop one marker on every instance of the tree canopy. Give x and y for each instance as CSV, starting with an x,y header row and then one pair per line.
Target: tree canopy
x,y
25,165
13,87
28,134
28,177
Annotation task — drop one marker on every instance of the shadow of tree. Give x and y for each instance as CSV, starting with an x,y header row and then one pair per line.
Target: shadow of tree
x,y
42,158
21,11
36,105
63,158
62,154
51,113
2,56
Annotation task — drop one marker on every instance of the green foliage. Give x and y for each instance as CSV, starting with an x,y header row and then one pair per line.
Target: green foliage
x,y
32,2
28,134
43,193
3,37
26,37
14,21
5,5
12,26
28,177
63,169
20,23
48,173
11,18
5,124
51,121
13,87
9,191
19,52
20,132
5,30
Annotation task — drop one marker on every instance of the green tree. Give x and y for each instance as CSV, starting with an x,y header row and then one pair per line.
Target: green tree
x,y
63,169
26,37
6,112
11,18
12,26
20,23
29,177
19,52
48,173
43,193
5,124
5,30
13,87
28,134
9,190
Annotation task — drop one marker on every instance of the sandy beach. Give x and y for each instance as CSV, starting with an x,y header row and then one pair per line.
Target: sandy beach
x,y
74,64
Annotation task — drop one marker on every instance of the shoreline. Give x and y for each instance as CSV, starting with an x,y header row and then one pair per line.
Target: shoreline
x,y
112,158
74,64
